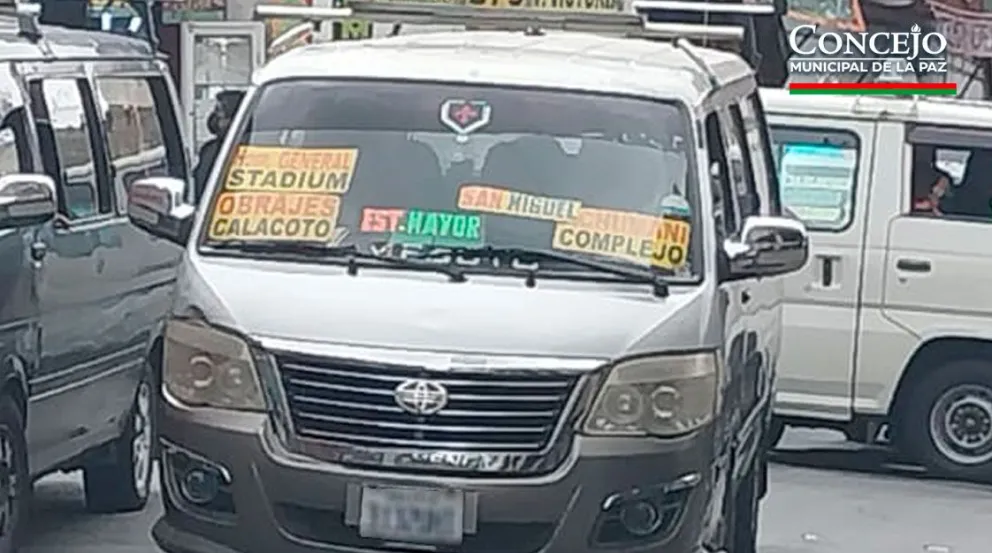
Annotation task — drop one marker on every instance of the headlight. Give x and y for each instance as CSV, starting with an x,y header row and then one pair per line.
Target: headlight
x,y
659,396
207,367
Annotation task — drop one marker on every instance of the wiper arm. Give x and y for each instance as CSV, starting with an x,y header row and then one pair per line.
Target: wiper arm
x,y
278,246
351,253
631,274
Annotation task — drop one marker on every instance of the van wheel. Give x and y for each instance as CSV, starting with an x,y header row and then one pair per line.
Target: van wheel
x,y
947,423
15,480
122,485
744,538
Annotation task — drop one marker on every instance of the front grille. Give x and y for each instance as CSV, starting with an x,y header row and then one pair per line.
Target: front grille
x,y
353,402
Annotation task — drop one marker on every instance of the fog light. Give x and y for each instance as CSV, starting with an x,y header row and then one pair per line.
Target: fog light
x,y
640,518
199,485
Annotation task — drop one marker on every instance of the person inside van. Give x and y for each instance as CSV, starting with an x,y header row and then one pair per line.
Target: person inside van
x,y
930,184
973,198
217,123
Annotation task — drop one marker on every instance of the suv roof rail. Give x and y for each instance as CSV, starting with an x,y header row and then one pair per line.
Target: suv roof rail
x,y
27,14
626,20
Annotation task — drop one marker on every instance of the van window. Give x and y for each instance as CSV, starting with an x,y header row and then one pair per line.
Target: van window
x,y
66,138
138,123
817,174
951,180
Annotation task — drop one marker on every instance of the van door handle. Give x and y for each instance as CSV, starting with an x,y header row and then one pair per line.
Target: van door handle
x,y
828,264
913,265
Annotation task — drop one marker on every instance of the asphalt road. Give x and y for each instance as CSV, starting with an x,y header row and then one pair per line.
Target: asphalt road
x,y
825,497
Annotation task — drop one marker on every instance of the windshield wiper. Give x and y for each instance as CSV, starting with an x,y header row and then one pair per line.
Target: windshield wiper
x,y
658,283
353,256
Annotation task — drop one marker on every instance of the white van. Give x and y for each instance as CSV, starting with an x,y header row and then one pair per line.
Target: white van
x,y
890,324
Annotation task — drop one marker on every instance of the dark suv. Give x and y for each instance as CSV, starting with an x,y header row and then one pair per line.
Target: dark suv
x,y
82,292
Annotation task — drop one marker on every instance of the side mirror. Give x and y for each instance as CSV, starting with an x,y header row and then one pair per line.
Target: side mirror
x,y
768,246
26,199
157,206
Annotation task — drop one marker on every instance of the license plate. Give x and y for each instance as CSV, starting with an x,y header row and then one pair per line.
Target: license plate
x,y
412,515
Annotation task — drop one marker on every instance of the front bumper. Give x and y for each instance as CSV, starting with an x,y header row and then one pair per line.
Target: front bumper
x,y
276,501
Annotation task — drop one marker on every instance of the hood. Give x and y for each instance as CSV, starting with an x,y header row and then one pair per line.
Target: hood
x,y
391,308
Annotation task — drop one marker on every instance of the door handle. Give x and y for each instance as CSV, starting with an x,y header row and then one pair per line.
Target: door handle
x,y
827,271
913,265
745,296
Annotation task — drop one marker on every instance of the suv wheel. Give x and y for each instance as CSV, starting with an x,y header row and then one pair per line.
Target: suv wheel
x,y
15,480
122,485
744,538
947,420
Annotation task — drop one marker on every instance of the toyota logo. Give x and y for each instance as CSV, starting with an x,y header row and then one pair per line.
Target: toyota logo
x,y
420,397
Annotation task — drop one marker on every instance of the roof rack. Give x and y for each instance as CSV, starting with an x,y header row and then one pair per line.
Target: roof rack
x,y
27,14
626,21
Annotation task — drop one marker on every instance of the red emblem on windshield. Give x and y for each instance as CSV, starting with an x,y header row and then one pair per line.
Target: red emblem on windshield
x,y
465,116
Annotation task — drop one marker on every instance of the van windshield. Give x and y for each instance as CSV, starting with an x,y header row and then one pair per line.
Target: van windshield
x,y
394,168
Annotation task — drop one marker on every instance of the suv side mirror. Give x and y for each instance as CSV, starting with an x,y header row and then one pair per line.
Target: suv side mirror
x,y
768,246
26,199
157,206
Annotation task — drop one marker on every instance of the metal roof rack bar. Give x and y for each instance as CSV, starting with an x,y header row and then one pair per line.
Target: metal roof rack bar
x,y
310,13
692,31
625,23
704,7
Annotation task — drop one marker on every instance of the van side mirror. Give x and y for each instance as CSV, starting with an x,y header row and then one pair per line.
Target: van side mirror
x,y
158,206
26,199
767,246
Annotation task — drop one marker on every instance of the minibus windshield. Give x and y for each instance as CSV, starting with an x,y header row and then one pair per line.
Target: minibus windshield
x,y
395,168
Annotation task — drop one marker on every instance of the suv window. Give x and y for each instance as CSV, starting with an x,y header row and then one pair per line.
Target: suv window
x,y
67,137
15,154
817,174
142,135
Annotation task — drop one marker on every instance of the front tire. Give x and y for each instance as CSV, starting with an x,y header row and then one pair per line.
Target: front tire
x,y
15,479
123,484
947,420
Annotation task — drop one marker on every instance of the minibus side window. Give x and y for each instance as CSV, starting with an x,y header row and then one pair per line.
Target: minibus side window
x,y
761,155
727,218
745,191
